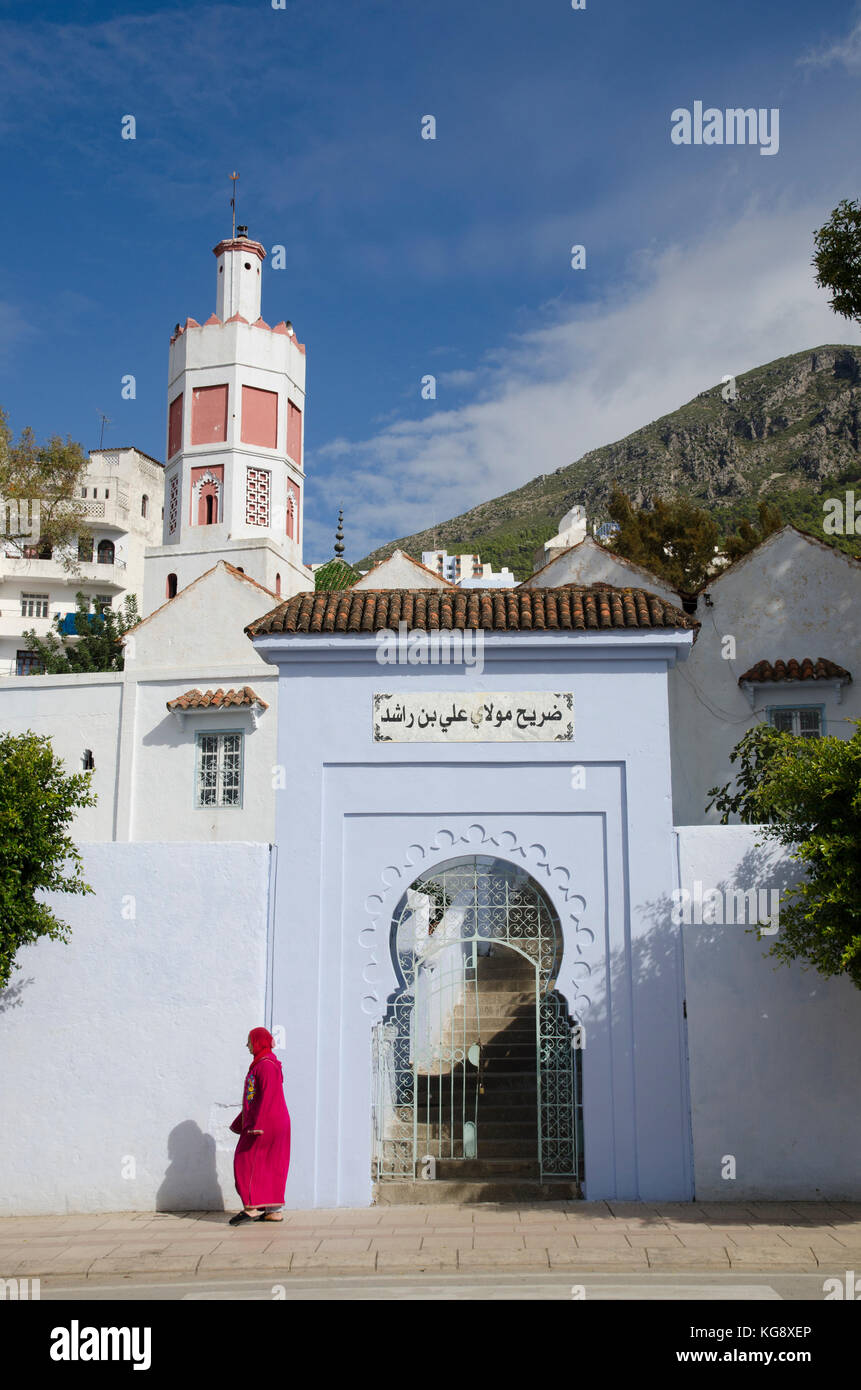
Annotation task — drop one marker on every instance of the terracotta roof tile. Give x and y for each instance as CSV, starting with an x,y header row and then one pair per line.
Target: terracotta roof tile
x,y
792,670
216,699
570,608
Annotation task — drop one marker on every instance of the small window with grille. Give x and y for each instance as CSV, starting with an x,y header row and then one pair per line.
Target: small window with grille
x,y
804,720
219,770
34,605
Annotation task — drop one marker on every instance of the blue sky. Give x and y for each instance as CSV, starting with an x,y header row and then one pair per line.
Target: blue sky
x,y
407,257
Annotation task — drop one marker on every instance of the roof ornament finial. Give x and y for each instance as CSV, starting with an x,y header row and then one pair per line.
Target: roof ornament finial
x,y
339,536
234,178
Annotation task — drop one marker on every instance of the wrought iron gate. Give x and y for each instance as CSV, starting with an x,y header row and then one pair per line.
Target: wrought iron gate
x,y
430,1051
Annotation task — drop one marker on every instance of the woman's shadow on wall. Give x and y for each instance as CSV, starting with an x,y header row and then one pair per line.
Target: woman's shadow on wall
x,y
191,1181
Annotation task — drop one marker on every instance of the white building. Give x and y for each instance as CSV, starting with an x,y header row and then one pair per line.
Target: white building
x,y
234,480
779,642
122,494
573,528
467,571
182,742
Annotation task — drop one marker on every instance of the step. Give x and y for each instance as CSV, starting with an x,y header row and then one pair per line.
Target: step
x,y
486,1169
521,1191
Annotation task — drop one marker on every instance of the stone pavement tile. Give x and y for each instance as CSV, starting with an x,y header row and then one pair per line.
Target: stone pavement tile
x,y
772,1213
636,1210
149,1264
340,1245
401,1261
755,1240
498,1240
597,1262
558,1239
687,1259
767,1257
602,1240
309,1218
655,1239
342,1262
849,1236
465,1229
395,1243
702,1240
447,1240
810,1235
76,1260
252,1261
496,1258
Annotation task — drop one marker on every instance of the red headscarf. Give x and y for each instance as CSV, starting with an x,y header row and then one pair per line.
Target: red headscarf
x,y
262,1042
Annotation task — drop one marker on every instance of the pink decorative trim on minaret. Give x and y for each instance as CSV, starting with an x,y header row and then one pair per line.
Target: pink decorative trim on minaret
x,y
190,323
236,318
261,323
240,244
281,328
213,319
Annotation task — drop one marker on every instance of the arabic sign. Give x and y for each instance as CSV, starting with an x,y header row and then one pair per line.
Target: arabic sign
x,y
478,717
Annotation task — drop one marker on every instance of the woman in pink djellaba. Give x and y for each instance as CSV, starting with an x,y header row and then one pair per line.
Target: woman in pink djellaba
x,y
262,1155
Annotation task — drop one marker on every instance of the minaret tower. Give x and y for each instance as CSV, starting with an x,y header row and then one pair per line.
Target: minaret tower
x,y
234,480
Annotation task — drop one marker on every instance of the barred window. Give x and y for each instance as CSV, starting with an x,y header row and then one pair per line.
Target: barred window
x,y
34,605
219,770
804,721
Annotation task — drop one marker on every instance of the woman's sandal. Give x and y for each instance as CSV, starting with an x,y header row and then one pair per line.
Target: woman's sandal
x,y
241,1217
267,1216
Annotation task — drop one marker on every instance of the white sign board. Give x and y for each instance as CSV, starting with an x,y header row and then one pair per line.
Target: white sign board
x,y
478,717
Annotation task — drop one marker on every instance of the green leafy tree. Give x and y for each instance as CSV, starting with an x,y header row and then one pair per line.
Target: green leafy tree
x,y
38,801
50,474
806,794
749,535
838,258
97,644
676,540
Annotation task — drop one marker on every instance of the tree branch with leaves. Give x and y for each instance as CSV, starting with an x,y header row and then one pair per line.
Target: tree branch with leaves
x,y
805,793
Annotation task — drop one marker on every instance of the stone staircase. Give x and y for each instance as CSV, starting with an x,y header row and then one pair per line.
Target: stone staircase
x,y
501,1094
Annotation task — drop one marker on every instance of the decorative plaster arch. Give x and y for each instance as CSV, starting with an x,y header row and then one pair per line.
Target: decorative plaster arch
x,y
205,480
578,941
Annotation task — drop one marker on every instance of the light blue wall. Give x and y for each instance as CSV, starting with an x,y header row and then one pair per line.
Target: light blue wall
x,y
358,821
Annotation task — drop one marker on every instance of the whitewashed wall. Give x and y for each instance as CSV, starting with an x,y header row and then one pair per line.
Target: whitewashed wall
x,y
773,1051
128,1043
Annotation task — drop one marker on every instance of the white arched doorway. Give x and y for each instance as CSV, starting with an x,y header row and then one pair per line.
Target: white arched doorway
x,y
476,1063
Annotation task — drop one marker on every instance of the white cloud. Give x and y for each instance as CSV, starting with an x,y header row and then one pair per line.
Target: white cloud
x,y
846,51
741,296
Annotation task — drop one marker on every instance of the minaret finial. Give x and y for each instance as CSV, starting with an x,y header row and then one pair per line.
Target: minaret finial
x,y
233,178
339,536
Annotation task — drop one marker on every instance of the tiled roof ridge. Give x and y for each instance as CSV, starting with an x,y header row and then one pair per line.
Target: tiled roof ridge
x,y
568,608
794,670
216,699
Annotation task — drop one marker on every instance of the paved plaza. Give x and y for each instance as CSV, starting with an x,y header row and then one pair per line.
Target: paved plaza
x,y
587,1237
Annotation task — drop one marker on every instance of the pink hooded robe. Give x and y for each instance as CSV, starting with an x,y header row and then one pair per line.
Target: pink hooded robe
x,y
261,1161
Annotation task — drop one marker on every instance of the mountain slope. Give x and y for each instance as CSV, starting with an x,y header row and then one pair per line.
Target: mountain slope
x,y
792,431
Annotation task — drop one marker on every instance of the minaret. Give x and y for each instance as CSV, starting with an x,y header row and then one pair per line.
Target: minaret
x,y
234,477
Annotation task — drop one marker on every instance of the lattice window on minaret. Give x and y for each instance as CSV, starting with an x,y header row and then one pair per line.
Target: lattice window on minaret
x,y
257,497
173,504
